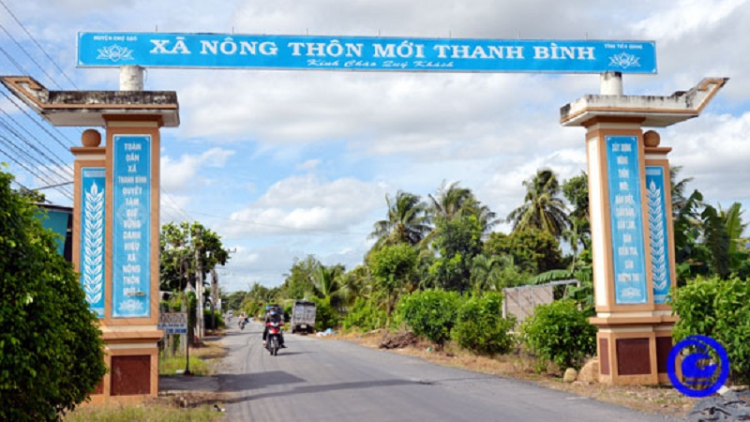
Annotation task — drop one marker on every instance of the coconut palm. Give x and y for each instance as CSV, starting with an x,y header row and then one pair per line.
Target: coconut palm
x,y
407,221
327,285
679,200
453,201
543,209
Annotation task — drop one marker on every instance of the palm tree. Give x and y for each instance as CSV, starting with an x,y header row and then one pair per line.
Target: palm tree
x,y
679,201
543,208
485,271
407,221
326,284
453,201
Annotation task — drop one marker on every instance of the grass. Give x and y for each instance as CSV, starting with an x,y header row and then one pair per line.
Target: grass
x,y
158,410
188,407
202,360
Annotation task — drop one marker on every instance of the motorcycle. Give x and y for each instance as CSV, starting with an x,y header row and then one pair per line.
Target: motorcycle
x,y
242,324
273,340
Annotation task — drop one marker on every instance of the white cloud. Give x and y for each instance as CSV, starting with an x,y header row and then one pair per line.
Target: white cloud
x,y
303,205
685,18
309,165
715,150
186,171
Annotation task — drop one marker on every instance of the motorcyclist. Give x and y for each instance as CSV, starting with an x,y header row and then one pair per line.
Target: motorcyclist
x,y
272,316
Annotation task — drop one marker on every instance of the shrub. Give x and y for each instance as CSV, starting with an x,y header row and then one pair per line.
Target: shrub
x,y
51,350
481,327
325,315
559,332
719,309
431,313
208,319
365,315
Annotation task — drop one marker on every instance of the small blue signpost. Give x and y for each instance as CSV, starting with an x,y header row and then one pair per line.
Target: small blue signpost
x,y
363,53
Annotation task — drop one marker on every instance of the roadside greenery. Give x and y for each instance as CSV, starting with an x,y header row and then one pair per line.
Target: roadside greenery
x,y
437,266
718,308
481,327
560,333
431,313
51,351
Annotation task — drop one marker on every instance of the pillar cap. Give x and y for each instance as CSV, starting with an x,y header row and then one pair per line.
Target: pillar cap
x,y
656,111
91,108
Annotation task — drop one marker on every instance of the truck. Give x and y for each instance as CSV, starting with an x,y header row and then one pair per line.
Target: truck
x,y
303,317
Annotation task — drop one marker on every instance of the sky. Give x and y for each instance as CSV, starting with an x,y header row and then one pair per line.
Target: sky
x,y
283,164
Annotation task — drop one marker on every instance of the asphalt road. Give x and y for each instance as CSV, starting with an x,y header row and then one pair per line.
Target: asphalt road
x,y
315,380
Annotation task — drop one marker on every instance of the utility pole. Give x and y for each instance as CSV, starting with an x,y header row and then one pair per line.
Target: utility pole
x,y
199,283
214,295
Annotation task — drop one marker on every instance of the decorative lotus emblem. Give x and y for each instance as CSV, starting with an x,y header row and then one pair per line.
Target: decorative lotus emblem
x,y
115,53
624,60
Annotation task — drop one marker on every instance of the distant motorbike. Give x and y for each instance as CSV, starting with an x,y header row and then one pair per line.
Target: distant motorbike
x,y
242,324
273,341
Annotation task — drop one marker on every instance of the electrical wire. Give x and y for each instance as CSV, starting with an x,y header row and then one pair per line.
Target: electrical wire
x,y
13,15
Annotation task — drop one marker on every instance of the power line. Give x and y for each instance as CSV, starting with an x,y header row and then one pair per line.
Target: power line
x,y
34,173
56,158
37,44
33,60
13,101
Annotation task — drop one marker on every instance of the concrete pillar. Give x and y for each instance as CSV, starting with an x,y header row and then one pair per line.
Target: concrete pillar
x,y
631,223
131,78
611,83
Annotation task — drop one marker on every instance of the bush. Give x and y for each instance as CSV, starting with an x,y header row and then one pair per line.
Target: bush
x,y
719,309
559,332
208,320
51,350
481,327
365,315
431,313
325,315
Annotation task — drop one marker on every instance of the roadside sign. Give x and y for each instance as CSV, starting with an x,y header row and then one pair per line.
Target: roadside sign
x,y
173,323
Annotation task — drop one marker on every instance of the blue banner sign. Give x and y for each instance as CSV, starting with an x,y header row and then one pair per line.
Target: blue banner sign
x,y
363,53
131,253
658,235
92,237
629,265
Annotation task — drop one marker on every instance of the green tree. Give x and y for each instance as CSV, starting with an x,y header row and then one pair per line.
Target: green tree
x,y
543,209
186,249
407,221
299,282
326,284
578,233
457,242
453,201
533,251
233,300
51,351
679,201
393,267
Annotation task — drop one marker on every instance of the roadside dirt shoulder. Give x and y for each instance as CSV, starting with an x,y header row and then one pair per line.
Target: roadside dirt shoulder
x,y
663,400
